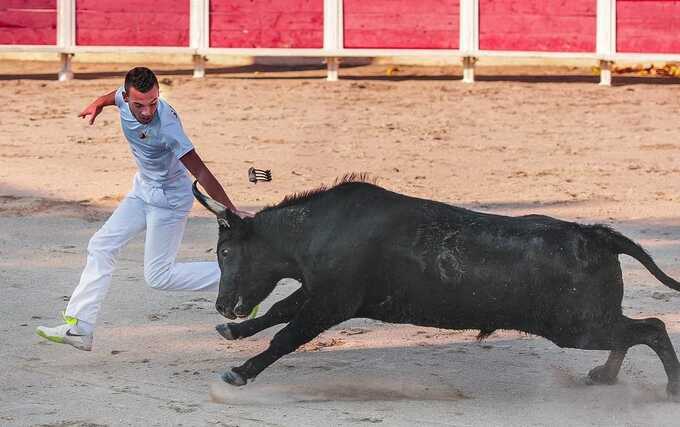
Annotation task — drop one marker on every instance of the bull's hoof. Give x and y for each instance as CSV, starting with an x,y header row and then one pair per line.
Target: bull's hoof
x,y
600,375
233,378
225,331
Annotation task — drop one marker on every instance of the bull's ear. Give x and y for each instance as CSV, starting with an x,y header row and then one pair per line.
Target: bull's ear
x,y
212,205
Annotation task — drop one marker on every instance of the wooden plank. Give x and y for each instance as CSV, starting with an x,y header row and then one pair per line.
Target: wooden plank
x,y
30,22
266,24
132,23
131,49
23,48
429,53
648,26
134,7
254,6
538,25
402,24
28,4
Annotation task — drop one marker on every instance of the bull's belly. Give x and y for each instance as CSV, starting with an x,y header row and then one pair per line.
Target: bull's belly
x,y
463,309
456,317
546,311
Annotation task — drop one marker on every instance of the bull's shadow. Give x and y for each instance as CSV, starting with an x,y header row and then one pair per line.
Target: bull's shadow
x,y
517,371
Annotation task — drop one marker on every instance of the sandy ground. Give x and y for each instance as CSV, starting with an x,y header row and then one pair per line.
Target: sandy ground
x,y
552,142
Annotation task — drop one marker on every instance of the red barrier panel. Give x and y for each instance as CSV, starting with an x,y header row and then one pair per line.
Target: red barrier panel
x,y
648,26
32,22
132,23
266,24
643,26
538,25
402,24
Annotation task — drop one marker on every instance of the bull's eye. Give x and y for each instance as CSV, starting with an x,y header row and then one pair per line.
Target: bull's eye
x,y
225,252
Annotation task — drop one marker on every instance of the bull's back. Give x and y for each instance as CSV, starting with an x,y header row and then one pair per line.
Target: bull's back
x,y
436,264
425,262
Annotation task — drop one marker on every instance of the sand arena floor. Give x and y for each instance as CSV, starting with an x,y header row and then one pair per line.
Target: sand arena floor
x,y
553,142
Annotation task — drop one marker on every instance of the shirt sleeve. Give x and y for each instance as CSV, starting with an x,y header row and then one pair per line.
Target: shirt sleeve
x,y
119,97
178,141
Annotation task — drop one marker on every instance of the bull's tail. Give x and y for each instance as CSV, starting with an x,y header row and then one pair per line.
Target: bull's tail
x,y
623,245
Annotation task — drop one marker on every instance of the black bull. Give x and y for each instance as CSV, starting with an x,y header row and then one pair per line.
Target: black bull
x,y
362,251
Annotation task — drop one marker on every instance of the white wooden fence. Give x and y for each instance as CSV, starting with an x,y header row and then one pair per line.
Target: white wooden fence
x,y
333,47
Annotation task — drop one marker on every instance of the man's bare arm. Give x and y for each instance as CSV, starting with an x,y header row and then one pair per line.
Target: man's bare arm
x,y
97,105
198,169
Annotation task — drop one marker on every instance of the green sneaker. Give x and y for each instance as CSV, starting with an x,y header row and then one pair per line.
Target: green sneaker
x,y
62,334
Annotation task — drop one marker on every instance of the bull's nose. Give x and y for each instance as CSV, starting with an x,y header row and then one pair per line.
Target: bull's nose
x,y
224,311
240,309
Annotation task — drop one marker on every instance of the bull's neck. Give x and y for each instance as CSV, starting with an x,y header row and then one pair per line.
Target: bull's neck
x,y
284,226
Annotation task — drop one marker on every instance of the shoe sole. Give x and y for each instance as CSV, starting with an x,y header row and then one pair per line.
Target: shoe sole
x,y
60,340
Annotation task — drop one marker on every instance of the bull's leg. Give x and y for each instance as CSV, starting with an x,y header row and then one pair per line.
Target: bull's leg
x,y
651,332
314,317
281,312
607,373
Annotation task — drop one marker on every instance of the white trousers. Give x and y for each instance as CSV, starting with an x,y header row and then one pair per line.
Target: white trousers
x,y
163,212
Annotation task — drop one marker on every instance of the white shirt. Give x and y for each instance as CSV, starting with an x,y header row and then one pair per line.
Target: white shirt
x,y
158,145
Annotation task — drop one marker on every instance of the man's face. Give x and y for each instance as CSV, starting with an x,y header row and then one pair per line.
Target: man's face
x,y
143,105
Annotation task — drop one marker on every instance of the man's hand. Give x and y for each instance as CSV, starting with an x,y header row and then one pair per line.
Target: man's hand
x,y
97,106
92,110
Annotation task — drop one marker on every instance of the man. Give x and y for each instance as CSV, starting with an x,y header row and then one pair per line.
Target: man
x,y
160,201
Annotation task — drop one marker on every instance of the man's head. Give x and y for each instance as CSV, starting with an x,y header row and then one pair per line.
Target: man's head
x,y
141,93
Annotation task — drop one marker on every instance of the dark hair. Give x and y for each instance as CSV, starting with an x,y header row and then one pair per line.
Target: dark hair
x,y
141,78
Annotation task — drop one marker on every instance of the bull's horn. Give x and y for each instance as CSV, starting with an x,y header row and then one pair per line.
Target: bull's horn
x,y
212,205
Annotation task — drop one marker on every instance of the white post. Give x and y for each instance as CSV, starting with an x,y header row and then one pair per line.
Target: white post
x,y
66,35
469,37
199,33
65,71
199,66
606,38
332,64
469,69
606,73
333,40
